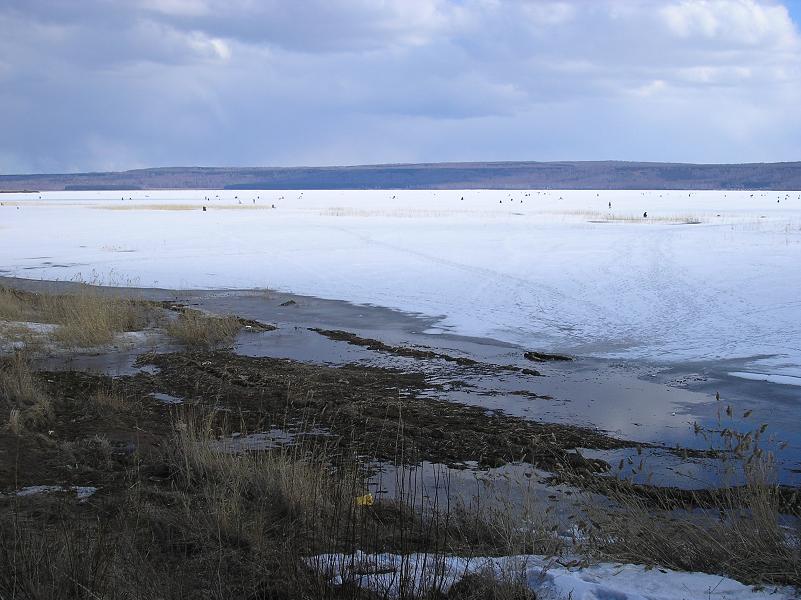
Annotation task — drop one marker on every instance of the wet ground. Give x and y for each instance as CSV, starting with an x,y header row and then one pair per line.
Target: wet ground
x,y
632,402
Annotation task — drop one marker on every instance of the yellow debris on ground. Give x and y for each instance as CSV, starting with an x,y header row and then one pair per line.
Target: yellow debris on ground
x,y
365,500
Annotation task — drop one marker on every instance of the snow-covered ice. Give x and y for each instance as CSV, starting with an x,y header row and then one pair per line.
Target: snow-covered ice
x,y
707,275
782,379
387,573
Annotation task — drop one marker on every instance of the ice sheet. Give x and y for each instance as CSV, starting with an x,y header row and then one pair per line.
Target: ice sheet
x,y
706,275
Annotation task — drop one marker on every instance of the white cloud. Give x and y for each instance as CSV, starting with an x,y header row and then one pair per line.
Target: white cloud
x,y
713,75
549,13
651,89
734,21
184,8
168,82
209,47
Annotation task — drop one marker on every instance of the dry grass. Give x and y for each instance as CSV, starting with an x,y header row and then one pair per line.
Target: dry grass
x,y
198,330
312,491
17,382
225,524
89,318
491,586
748,544
108,400
745,535
184,207
15,305
295,482
42,563
243,524
85,317
612,217
15,421
24,397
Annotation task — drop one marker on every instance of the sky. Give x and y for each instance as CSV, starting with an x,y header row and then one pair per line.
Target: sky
x,y
120,84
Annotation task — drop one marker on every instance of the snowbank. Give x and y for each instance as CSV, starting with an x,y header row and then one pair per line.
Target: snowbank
x,y
386,574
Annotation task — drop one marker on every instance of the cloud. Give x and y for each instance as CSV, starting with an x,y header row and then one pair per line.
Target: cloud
x,y
316,25
177,8
115,84
741,22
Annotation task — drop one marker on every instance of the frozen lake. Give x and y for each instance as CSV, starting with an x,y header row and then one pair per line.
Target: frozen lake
x,y
705,276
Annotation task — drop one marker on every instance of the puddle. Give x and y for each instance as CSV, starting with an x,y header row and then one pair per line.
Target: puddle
x,y
111,363
515,489
661,468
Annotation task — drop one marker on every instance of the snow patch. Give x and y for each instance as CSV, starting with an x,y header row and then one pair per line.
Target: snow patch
x,y
167,398
81,492
769,377
551,578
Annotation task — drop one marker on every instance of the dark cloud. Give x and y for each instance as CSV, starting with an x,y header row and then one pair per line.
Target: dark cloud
x,y
107,84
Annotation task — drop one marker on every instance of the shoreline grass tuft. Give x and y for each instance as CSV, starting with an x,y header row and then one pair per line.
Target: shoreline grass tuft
x,y
198,330
86,317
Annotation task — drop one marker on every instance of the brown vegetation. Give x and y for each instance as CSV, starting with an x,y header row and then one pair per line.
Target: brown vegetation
x,y
85,317
750,531
200,331
178,514
26,402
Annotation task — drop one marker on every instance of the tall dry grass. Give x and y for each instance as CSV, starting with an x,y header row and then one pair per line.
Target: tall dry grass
x,y
14,305
89,318
198,330
107,399
313,496
617,217
750,531
85,317
297,482
39,562
27,403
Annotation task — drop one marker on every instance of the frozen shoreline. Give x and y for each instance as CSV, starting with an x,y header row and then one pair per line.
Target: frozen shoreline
x,y
630,399
706,276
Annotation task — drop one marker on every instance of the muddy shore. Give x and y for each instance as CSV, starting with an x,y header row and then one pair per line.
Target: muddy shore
x,y
630,404
240,432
